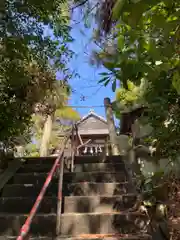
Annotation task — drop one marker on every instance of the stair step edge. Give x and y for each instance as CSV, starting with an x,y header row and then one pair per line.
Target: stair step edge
x,y
90,172
26,215
31,238
103,196
105,236
25,198
101,213
87,182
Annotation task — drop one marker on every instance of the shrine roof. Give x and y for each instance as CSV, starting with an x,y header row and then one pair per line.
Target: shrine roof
x,y
91,114
92,124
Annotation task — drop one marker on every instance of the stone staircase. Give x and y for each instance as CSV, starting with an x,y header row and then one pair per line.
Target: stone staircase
x,y
96,199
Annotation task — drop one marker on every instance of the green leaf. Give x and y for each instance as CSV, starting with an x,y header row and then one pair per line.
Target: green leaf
x,y
117,9
154,51
159,20
176,82
120,42
106,83
103,74
109,65
136,13
114,86
103,79
136,1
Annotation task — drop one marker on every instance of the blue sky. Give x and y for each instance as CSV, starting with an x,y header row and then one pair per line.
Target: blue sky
x,y
87,84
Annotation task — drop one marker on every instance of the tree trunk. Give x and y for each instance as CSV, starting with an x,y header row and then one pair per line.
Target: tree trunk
x,y
46,136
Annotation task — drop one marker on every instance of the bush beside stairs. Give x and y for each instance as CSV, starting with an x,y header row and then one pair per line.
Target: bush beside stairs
x,y
96,200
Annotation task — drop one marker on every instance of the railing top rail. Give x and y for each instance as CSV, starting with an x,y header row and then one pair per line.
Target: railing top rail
x,y
25,228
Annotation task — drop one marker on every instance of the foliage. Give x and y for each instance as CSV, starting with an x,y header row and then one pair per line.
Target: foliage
x,y
55,104
130,98
54,98
57,129
64,118
139,41
173,213
31,150
163,190
29,58
143,44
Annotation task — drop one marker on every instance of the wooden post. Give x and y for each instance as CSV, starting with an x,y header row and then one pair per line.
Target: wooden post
x,y
111,126
106,149
114,141
73,147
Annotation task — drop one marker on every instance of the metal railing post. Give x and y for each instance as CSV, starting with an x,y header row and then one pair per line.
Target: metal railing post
x,y
25,228
59,204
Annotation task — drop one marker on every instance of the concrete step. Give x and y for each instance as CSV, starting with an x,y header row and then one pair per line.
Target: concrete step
x,y
73,224
32,178
108,237
21,205
28,238
84,204
75,189
28,190
89,237
94,167
42,224
39,160
30,168
22,178
87,167
94,177
78,159
98,159
93,188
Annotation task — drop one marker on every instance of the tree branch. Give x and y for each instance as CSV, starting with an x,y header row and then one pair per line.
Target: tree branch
x,y
80,4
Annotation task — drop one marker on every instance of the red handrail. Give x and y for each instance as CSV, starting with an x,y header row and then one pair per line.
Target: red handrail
x,y
25,228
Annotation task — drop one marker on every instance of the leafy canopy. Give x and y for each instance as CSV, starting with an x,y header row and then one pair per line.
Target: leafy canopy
x,y
140,40
29,58
56,105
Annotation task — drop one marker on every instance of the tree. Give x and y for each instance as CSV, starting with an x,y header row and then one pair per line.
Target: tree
x,y
29,59
49,112
139,40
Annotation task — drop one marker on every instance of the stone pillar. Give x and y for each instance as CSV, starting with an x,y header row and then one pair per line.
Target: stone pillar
x,y
111,126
